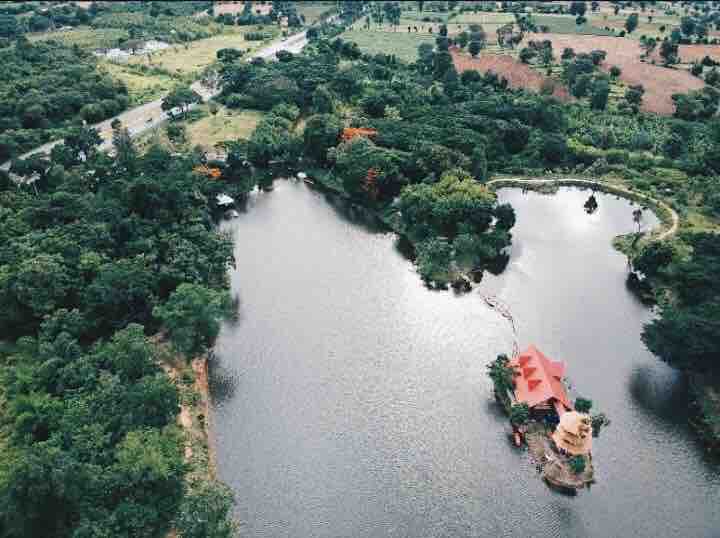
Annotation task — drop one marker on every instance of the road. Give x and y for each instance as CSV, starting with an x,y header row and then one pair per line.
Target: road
x,y
674,217
149,115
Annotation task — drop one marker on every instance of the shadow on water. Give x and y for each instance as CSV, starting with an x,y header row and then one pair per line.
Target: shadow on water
x,y
663,395
222,382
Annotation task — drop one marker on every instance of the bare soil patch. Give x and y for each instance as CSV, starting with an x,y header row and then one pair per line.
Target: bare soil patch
x,y
660,83
518,74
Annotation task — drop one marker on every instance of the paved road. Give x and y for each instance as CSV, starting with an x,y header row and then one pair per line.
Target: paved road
x,y
674,217
149,115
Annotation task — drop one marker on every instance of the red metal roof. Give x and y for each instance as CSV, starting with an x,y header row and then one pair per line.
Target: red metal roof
x,y
538,379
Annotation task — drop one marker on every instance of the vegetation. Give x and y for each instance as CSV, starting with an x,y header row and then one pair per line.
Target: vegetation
x,y
577,464
519,414
48,88
89,264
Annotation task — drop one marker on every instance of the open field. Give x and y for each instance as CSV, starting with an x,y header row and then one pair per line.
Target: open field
x,y
659,82
402,44
225,125
518,74
695,53
191,58
84,37
565,24
312,10
142,87
204,129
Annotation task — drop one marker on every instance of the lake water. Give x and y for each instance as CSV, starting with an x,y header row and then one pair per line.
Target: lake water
x,y
350,401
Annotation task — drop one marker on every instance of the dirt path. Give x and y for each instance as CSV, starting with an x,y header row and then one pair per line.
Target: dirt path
x,y
606,187
144,117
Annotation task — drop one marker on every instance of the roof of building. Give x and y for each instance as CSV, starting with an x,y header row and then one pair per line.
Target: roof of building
x,y
224,200
574,433
538,378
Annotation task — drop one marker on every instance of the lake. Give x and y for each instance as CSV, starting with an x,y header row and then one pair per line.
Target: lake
x,y
351,401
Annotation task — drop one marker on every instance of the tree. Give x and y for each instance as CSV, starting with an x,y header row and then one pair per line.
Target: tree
x,y
322,132
180,97
479,163
206,512
578,8
631,23
577,464
583,405
653,258
669,51
634,95
554,148
192,317
433,260
474,48
615,71
600,94
519,414
229,54
125,151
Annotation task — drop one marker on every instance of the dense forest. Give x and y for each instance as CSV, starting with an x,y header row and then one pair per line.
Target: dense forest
x,y
93,258
48,89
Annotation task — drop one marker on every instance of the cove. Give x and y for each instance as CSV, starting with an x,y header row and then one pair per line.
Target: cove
x,y
349,400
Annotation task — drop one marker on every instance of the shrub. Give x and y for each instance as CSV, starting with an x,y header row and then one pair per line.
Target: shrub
x,y
577,464
583,405
519,414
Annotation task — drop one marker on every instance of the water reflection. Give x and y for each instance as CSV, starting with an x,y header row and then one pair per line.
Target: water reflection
x,y
350,401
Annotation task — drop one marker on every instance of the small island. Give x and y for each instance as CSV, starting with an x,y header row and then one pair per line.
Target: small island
x,y
558,434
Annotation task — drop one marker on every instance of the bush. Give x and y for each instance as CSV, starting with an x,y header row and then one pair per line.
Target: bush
x,y
583,405
519,414
577,464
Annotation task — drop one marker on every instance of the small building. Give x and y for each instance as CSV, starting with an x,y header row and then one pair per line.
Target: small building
x,y
538,382
573,434
224,201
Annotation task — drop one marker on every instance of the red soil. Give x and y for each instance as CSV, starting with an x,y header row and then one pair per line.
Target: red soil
x,y
518,74
659,82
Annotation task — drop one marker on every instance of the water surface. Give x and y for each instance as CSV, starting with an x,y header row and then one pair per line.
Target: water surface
x,y
350,401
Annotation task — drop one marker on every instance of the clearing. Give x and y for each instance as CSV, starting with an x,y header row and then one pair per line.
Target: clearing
x,y
402,44
518,74
660,83
84,37
142,87
191,58
206,130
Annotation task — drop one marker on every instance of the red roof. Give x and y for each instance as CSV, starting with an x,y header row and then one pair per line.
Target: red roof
x,y
538,379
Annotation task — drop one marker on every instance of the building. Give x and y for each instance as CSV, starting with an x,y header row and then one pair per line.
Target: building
x,y
538,382
573,434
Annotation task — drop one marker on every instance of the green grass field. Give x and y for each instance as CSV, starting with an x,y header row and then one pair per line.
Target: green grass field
x,y
402,44
191,58
312,10
142,87
564,24
83,36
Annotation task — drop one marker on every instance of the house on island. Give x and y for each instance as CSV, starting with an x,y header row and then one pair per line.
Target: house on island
x,y
538,383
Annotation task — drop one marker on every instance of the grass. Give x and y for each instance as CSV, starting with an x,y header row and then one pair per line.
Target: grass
x,y
206,130
84,37
402,44
142,87
191,58
312,10
225,125
563,24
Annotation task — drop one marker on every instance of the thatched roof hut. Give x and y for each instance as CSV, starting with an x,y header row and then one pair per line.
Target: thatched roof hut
x,y
573,434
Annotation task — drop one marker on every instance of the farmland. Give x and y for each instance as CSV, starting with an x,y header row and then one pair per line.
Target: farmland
x,y
518,75
84,37
660,83
402,44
